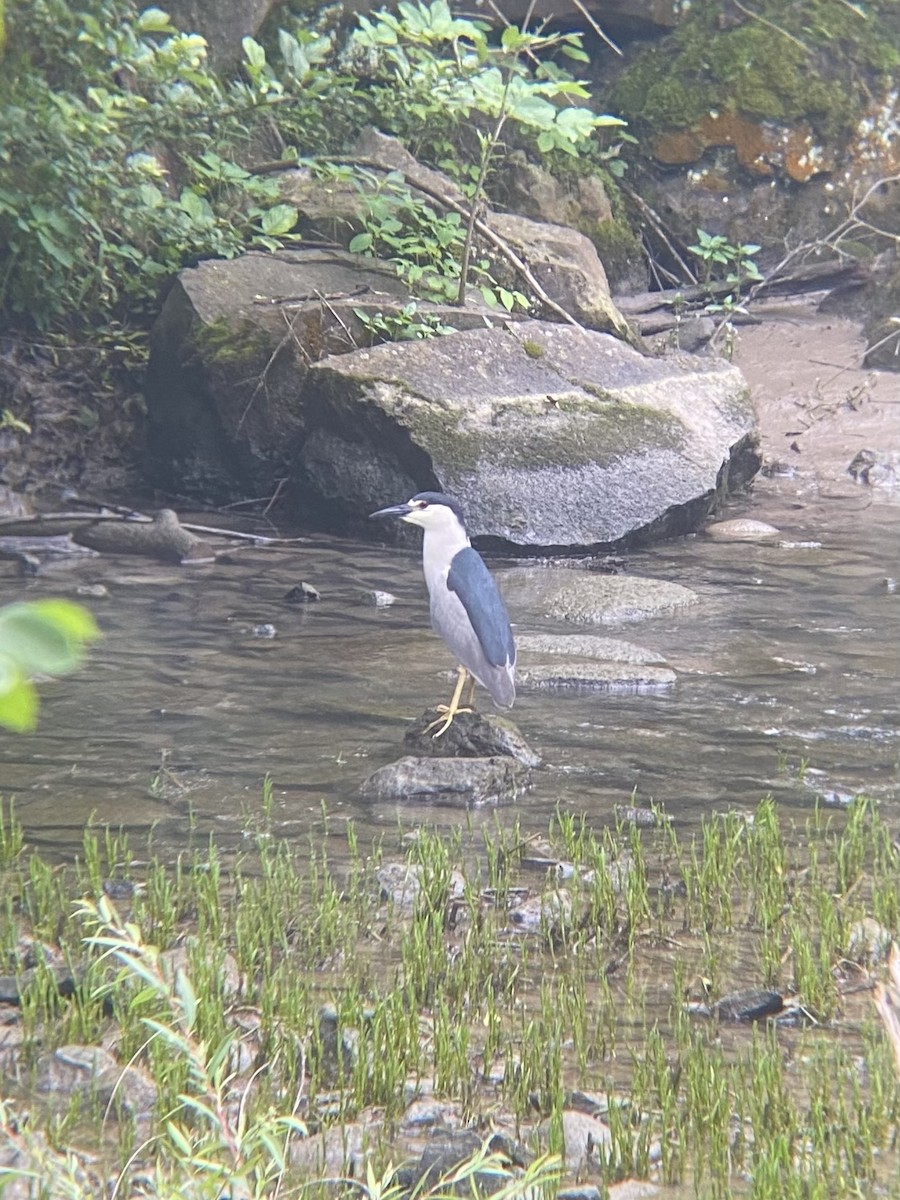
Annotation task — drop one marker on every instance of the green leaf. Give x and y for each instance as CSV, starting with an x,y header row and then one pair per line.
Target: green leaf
x,y
196,207
18,699
151,196
73,619
360,243
256,55
41,638
279,219
154,20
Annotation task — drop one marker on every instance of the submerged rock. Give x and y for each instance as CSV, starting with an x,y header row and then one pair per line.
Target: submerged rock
x,y
572,675
749,1004
587,645
164,537
741,529
93,1071
582,598
479,780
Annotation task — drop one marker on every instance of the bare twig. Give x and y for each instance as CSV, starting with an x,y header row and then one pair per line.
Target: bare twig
x,y
588,16
771,25
655,221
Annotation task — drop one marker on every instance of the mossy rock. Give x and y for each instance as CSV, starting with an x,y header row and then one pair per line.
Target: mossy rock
x,y
794,62
550,435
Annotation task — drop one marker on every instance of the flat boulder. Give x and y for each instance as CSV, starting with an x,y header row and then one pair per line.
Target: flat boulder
x,y
550,435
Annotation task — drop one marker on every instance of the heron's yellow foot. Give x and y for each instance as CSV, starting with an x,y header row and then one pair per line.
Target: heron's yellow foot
x,y
449,711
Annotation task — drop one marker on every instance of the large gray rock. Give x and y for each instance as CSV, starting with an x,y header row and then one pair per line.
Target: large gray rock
x,y
566,265
229,355
550,435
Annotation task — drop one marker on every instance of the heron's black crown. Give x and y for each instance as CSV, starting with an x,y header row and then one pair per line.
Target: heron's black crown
x,y
425,498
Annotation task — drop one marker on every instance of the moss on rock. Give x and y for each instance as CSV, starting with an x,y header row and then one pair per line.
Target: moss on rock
x,y
795,61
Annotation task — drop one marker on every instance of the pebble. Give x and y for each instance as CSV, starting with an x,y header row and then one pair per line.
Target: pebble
x,y
376,599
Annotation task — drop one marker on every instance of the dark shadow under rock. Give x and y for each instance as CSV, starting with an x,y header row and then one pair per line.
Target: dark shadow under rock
x,y
471,735
494,780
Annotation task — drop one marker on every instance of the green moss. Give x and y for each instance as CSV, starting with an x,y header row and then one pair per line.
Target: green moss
x,y
617,244
227,343
797,61
607,431
533,349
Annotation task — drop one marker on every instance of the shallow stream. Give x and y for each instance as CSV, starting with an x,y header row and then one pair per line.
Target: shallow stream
x,y
207,679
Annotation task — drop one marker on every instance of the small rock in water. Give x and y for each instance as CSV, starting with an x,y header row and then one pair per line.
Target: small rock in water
x,y
264,631
750,1004
164,537
303,593
645,818
479,780
741,530
549,913
376,599
869,942
635,1189
399,884
594,677
875,468
588,645
431,1113
582,1135
95,590
471,735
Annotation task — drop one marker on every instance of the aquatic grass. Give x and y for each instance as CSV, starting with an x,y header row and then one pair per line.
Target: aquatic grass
x,y
12,835
310,988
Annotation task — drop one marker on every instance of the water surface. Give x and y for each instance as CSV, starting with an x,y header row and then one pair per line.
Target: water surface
x,y
207,680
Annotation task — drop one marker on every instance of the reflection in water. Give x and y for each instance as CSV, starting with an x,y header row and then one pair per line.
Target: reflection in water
x,y
187,703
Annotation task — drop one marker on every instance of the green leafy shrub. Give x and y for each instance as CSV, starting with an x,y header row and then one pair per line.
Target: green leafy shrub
x,y
118,148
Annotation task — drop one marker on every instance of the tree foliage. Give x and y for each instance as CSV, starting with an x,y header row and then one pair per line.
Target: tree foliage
x,y
124,157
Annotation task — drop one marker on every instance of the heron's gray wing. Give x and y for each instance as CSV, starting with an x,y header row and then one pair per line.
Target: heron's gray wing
x,y
470,579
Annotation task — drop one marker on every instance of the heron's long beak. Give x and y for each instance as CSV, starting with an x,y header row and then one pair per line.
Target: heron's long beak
x,y
396,510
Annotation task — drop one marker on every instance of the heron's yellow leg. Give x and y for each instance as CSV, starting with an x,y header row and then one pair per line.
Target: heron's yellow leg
x,y
470,701
449,711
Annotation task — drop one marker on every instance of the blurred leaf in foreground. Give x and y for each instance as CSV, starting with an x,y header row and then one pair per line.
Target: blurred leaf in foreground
x,y
39,637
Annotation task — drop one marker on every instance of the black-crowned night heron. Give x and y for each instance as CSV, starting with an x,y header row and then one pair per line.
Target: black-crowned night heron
x,y
467,609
